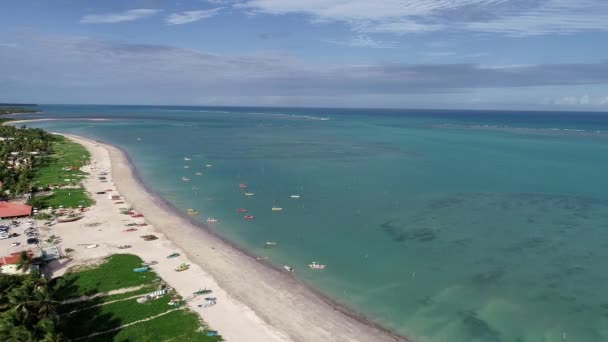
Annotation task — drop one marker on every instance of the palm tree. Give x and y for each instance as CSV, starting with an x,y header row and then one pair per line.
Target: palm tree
x,y
24,262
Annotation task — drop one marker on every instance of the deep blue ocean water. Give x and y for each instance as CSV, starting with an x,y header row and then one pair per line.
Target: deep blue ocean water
x,y
441,225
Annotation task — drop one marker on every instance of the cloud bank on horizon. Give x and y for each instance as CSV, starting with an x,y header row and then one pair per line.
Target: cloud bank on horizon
x,y
384,53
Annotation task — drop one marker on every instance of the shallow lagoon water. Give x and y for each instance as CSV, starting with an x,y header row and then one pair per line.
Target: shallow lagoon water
x,y
443,226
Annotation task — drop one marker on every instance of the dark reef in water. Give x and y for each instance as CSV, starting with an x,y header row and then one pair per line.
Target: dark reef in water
x,y
478,328
399,233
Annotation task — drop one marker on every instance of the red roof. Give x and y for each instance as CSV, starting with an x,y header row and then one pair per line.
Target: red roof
x,y
14,210
12,259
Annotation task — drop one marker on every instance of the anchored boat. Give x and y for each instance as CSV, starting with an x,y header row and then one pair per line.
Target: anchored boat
x,y
315,266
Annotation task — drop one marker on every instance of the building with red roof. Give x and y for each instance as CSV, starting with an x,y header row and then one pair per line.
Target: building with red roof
x,y
9,210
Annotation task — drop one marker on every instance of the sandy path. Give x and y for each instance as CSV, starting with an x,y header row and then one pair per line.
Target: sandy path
x,y
255,302
102,294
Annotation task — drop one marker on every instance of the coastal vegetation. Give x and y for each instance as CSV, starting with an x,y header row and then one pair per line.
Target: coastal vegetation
x,y
22,150
4,110
81,305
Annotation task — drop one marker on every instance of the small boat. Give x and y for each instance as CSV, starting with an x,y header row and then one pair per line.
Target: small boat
x,y
270,244
141,269
249,194
315,266
192,212
248,217
289,269
124,246
172,255
130,230
211,220
139,139
69,218
208,165
185,179
295,196
202,292
277,209
186,167
149,237
241,210
187,159
198,174
149,263
182,267
92,246
243,186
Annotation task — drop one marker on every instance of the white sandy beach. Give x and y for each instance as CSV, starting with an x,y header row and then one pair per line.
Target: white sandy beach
x,y
254,301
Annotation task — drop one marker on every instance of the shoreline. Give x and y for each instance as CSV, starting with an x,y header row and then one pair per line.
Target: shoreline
x,y
244,278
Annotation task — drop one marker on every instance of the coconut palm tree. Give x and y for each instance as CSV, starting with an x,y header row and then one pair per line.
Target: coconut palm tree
x,y
24,262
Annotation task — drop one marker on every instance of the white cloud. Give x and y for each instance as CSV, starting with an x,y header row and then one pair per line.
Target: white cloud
x,y
511,17
191,16
364,42
111,18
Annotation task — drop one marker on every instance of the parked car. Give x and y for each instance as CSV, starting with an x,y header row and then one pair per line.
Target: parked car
x,y
15,244
32,241
4,237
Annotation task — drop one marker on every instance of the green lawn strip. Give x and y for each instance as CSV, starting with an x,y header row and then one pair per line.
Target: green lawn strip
x,y
179,326
68,198
65,308
112,315
115,273
65,153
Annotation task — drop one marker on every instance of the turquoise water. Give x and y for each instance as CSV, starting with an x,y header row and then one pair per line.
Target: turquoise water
x,y
443,226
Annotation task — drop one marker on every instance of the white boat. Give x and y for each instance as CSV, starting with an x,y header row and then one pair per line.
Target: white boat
x,y
198,174
270,244
186,167
315,266
208,165
187,159
295,196
277,209
249,194
185,179
289,269
92,246
211,220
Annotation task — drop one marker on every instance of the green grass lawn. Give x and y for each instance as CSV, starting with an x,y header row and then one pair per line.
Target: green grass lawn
x,y
68,198
113,315
181,325
115,273
65,308
65,153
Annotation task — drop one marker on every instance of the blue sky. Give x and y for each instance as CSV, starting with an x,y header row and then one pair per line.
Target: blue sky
x,y
497,54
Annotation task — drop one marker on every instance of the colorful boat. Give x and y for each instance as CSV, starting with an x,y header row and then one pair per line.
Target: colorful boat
x,y
243,186
141,269
248,217
241,210
192,212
